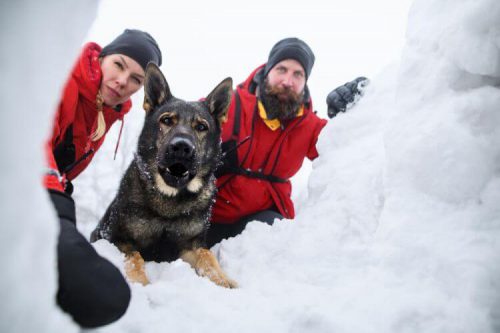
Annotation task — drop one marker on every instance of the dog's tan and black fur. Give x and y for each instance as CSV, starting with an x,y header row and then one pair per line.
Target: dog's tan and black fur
x,y
163,205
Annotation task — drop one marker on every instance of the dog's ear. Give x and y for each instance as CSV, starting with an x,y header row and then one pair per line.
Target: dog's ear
x,y
156,89
219,99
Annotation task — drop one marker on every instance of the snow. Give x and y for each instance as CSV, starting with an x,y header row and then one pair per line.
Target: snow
x,y
39,42
397,230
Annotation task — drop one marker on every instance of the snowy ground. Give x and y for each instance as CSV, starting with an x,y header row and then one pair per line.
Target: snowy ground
x,y
399,232
35,57
374,248
400,229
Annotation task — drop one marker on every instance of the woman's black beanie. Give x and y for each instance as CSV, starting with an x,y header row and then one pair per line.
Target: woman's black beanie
x,y
136,44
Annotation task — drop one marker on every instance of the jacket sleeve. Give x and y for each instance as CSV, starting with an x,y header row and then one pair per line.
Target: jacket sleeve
x,y
313,151
64,117
52,179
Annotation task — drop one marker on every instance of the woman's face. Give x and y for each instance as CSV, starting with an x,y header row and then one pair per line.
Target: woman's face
x,y
122,76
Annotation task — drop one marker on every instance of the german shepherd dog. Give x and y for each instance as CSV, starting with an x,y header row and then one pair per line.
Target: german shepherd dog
x,y
162,209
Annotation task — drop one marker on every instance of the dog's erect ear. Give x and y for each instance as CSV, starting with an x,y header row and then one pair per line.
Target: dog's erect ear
x,y
219,99
156,89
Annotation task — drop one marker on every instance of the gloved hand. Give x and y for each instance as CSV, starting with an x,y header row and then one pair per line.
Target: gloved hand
x,y
64,205
344,97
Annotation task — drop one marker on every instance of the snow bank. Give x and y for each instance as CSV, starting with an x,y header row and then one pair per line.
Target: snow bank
x,y
39,43
419,185
400,230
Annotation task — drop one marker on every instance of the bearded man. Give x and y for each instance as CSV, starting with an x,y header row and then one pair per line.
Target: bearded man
x,y
270,130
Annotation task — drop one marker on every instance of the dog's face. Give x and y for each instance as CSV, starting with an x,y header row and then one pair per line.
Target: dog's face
x,y
181,140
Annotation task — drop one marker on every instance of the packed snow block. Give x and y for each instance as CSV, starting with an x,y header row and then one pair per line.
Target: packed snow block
x,y
443,153
407,187
444,138
40,41
440,153
473,45
464,38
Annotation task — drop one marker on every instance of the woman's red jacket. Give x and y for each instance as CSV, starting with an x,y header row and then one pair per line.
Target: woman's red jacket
x,y
78,109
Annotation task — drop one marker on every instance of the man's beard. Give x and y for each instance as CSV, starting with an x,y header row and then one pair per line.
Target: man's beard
x,y
281,103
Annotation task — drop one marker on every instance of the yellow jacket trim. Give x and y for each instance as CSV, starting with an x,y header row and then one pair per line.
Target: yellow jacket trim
x,y
273,124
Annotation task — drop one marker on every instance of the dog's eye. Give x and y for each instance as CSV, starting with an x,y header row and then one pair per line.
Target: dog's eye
x,y
201,127
169,121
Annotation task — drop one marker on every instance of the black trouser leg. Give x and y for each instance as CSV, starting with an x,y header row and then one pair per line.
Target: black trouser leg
x,y
91,289
220,231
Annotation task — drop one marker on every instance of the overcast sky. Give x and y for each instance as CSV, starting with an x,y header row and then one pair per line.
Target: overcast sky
x,y
205,41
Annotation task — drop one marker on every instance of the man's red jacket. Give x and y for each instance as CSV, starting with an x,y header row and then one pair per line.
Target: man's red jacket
x,y
278,152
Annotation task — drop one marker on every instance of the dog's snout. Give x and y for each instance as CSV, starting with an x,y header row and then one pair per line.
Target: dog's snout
x,y
181,148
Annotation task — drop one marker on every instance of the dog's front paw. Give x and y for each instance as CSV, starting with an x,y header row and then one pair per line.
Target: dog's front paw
x,y
225,282
217,277
135,268
205,264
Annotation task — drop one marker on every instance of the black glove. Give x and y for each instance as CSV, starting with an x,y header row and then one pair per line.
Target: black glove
x,y
344,97
64,205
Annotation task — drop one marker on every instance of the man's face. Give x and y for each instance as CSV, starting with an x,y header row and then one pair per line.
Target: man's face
x,y
288,75
283,92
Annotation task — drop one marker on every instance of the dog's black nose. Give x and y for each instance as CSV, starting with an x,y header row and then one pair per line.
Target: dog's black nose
x,y
181,148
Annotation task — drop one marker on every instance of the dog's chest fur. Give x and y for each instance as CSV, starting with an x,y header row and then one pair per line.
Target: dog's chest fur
x,y
158,225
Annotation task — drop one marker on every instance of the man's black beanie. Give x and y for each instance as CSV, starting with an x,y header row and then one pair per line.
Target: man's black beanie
x,y
136,44
291,48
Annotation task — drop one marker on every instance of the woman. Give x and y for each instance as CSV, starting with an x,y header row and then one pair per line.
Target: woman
x,y
96,95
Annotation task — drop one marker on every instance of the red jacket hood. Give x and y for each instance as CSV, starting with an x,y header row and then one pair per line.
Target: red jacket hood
x,y
250,79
